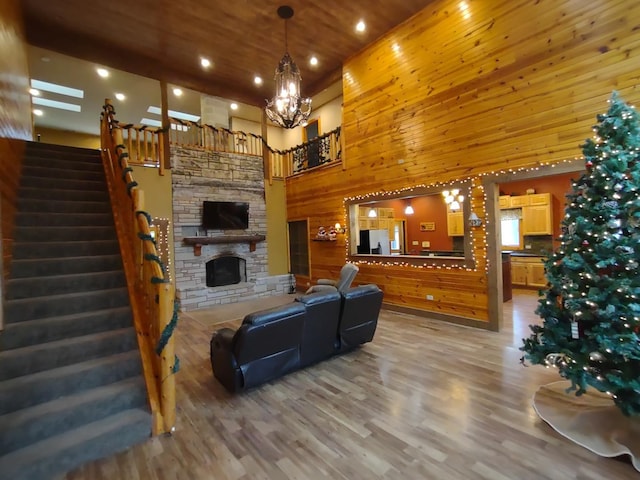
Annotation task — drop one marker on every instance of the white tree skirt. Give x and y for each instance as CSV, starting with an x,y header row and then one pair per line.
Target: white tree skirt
x,y
591,420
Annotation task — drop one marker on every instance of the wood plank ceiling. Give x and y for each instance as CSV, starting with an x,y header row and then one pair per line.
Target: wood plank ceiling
x,y
164,40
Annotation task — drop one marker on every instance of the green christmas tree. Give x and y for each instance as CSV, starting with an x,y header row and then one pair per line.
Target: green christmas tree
x,y
591,305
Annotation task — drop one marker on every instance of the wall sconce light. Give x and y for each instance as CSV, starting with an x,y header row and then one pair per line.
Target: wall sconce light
x,y
372,213
474,220
339,228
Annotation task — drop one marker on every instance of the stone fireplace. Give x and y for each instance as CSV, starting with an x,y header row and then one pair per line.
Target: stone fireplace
x,y
198,175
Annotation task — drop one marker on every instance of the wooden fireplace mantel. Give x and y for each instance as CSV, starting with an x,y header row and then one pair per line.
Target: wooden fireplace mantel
x,y
197,242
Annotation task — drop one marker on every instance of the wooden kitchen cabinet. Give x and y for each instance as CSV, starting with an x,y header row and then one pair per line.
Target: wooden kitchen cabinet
x,y
519,201
455,224
528,272
536,217
504,201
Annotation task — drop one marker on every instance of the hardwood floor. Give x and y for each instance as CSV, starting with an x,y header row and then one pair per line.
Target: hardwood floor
x,y
424,400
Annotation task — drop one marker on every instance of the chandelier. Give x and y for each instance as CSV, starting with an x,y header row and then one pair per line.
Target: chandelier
x,y
287,108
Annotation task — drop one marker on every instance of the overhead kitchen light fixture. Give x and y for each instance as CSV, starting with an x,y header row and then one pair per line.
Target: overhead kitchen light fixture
x,y
287,108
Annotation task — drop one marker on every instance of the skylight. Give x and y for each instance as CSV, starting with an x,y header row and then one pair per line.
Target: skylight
x,y
55,88
157,123
45,102
174,114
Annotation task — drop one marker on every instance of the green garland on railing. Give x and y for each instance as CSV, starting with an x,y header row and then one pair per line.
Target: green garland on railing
x,y
146,215
125,171
130,186
121,157
167,333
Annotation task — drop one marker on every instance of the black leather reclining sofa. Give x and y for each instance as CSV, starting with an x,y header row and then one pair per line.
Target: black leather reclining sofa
x,y
273,342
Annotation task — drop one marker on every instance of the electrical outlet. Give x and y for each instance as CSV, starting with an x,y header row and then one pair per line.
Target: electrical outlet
x,y
426,244
415,243
429,297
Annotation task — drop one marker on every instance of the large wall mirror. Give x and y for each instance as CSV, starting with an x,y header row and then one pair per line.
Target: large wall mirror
x,y
422,225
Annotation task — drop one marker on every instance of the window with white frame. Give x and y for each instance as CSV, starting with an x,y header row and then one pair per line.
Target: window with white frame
x,y
510,222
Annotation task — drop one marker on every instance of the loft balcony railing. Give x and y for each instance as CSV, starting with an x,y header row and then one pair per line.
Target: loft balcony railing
x,y
317,152
146,146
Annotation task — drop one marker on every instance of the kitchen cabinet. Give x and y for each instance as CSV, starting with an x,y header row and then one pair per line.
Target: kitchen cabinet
x,y
519,201
536,212
528,272
536,216
455,224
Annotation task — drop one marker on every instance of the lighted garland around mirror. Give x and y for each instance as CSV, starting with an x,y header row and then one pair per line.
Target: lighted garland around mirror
x,y
382,229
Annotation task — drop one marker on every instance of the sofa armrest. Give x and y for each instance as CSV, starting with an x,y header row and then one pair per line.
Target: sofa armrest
x,y
326,281
320,288
223,362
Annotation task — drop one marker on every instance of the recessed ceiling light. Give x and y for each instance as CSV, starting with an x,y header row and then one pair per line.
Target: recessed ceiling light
x,y
45,59
205,62
35,92
103,72
257,80
120,96
233,106
38,112
360,26
313,60
177,92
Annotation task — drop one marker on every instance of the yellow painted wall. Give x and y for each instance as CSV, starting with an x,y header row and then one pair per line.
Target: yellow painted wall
x,y
277,253
454,94
65,137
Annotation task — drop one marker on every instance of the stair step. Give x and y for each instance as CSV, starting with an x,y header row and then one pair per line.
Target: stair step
x,y
65,304
63,219
41,387
63,266
47,249
64,234
63,206
37,423
84,163
60,284
46,356
31,332
55,174
40,193
61,453
63,184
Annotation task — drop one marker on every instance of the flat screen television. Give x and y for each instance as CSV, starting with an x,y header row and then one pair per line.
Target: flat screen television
x,y
225,215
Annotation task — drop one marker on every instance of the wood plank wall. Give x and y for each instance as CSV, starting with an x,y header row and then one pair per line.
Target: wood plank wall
x,y
15,120
459,93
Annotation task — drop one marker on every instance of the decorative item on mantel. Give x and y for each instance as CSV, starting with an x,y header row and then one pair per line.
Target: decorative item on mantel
x,y
198,242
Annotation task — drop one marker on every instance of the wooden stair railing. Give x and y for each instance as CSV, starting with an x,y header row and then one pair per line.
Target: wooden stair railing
x,y
151,294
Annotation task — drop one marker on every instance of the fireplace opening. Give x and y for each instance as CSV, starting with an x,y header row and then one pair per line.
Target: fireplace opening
x,y
226,270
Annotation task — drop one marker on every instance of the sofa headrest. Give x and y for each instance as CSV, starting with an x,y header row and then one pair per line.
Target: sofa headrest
x,y
319,297
361,291
275,313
